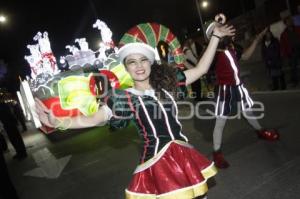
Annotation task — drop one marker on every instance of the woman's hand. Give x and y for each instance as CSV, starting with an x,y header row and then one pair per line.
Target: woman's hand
x,y
221,31
45,115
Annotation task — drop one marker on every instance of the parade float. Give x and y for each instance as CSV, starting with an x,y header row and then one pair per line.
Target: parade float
x,y
75,85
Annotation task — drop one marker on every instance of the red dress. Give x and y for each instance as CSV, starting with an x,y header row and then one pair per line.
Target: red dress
x,y
169,166
232,95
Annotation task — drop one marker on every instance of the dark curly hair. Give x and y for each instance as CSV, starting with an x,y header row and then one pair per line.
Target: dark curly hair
x,y
163,76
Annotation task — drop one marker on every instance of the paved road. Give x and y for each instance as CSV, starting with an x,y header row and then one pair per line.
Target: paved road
x,y
97,164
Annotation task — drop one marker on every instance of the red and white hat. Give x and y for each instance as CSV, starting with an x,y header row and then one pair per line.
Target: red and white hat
x,y
137,48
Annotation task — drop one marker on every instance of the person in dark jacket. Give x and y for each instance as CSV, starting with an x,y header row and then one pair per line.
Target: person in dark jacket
x,y
7,190
10,122
271,56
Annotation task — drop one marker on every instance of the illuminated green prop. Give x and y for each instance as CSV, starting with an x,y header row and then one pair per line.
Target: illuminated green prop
x,y
118,69
74,92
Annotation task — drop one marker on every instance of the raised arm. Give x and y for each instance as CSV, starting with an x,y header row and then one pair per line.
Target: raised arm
x,y
208,56
249,51
47,118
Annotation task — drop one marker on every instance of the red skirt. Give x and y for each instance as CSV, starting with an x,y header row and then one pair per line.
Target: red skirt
x,y
177,171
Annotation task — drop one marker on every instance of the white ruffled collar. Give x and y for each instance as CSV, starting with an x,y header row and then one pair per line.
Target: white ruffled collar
x,y
148,92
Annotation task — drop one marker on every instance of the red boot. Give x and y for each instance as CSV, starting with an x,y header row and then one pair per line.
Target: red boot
x,y
270,135
219,160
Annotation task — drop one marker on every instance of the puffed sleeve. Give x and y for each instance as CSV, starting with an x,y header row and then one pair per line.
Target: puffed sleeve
x,y
118,109
182,91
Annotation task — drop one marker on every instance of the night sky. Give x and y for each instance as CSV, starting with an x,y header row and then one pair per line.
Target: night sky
x,y
67,20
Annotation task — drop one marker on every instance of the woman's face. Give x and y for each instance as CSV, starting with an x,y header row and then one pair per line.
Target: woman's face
x,y
138,66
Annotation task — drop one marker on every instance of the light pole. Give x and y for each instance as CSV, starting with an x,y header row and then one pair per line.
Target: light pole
x,y
204,5
288,6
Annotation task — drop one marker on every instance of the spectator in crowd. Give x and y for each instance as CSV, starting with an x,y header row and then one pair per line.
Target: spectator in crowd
x,y
290,47
7,190
271,56
10,123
